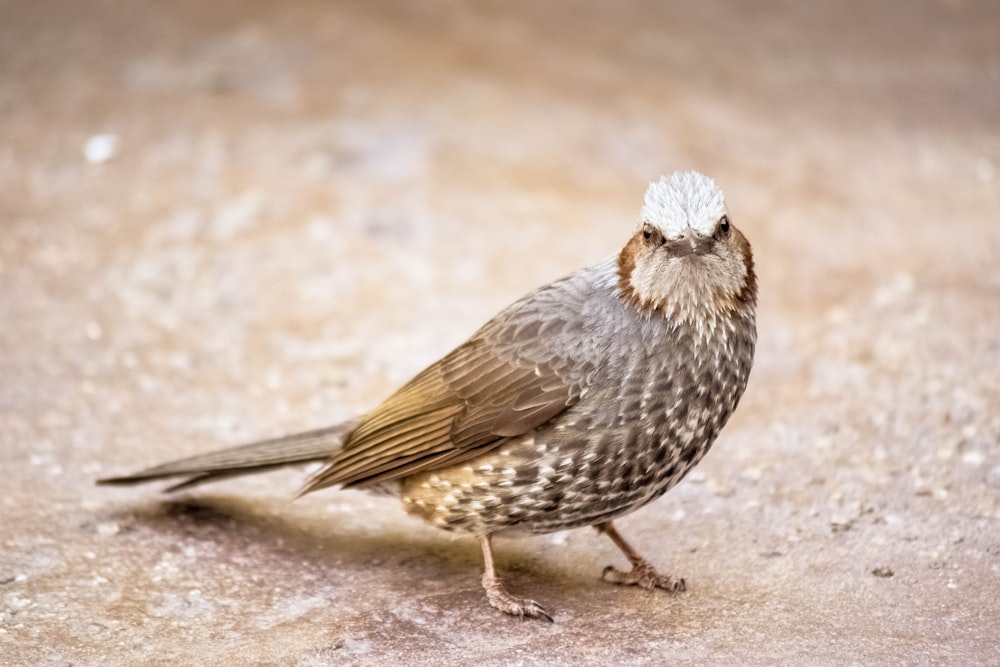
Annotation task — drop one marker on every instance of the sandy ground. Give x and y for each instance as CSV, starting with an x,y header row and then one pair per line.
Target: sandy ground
x,y
229,220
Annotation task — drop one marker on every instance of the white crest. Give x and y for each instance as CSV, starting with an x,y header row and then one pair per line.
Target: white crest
x,y
683,200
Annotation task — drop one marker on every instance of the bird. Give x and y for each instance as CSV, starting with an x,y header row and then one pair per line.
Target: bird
x,y
579,403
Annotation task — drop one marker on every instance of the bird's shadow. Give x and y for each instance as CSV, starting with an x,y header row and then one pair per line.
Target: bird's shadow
x,y
329,542
320,539
360,547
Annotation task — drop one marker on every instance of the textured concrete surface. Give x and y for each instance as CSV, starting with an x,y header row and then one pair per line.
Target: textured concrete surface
x,y
228,220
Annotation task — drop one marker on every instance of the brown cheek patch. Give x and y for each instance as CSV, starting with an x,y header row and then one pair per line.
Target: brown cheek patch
x,y
731,302
749,292
626,265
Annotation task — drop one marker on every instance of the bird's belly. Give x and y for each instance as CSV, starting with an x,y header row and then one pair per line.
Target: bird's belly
x,y
548,481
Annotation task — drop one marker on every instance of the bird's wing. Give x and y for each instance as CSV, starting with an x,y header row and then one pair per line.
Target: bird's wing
x,y
514,375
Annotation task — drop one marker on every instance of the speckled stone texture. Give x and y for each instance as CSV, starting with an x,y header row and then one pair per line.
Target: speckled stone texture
x,y
223,221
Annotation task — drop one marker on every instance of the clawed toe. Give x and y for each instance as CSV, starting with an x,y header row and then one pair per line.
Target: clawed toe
x,y
499,598
645,577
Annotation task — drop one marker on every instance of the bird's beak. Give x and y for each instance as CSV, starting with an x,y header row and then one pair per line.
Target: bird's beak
x,y
691,243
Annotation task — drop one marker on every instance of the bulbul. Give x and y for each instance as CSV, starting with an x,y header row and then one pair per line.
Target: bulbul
x,y
581,402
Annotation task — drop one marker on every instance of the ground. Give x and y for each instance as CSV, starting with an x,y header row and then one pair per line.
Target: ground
x,y
230,220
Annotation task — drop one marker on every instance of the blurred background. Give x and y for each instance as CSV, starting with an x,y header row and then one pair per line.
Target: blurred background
x,y
229,220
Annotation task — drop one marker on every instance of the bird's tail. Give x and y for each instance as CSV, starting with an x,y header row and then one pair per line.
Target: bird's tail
x,y
248,459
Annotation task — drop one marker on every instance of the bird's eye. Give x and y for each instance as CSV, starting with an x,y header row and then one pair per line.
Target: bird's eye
x,y
651,235
724,225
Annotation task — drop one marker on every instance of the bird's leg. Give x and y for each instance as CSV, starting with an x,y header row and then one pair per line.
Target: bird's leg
x,y
642,573
498,596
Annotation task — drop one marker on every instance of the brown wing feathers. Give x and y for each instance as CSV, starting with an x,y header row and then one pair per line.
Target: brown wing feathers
x,y
461,406
393,447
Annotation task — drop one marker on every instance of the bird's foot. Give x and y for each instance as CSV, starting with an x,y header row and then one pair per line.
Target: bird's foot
x,y
501,599
642,573
645,576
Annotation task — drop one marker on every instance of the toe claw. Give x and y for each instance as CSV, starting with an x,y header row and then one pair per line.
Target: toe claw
x,y
537,611
613,575
527,608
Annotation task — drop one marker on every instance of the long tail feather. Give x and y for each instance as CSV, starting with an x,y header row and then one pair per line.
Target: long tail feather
x,y
248,459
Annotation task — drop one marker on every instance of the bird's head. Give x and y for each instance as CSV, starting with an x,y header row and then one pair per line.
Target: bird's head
x,y
687,259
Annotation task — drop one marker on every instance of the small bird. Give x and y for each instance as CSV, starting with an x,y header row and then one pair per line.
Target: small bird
x,y
580,402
